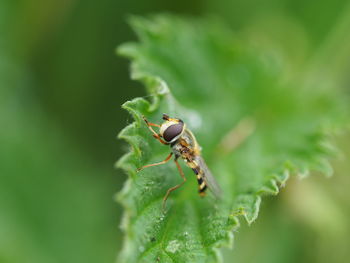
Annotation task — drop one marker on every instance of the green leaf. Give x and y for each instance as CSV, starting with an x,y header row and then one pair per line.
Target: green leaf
x,y
257,125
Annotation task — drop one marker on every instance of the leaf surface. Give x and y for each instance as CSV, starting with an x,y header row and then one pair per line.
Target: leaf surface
x,y
256,125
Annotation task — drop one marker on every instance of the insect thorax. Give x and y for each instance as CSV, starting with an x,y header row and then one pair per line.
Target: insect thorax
x,y
185,146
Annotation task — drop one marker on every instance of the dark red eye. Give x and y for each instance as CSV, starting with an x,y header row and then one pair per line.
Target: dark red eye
x,y
172,131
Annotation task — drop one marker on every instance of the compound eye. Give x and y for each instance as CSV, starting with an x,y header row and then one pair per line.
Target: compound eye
x,y
172,131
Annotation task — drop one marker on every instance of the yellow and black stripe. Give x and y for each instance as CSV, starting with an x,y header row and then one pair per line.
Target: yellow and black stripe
x,y
202,186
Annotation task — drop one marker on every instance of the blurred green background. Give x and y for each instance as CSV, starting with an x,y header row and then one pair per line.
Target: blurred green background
x,y
61,87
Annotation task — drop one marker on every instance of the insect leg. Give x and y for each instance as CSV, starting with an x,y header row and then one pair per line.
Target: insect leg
x,y
155,135
155,164
176,186
150,123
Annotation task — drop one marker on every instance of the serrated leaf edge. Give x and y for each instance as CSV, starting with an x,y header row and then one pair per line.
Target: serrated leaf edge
x,y
157,88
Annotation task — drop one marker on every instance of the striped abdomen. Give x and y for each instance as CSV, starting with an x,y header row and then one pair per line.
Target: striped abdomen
x,y
204,177
202,186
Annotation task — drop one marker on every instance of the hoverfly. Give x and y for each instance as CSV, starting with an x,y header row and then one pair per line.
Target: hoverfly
x,y
183,144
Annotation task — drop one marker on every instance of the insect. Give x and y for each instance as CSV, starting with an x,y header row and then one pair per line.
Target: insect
x,y
173,132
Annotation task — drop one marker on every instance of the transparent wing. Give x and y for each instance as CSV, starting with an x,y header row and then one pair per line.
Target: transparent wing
x,y
208,177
